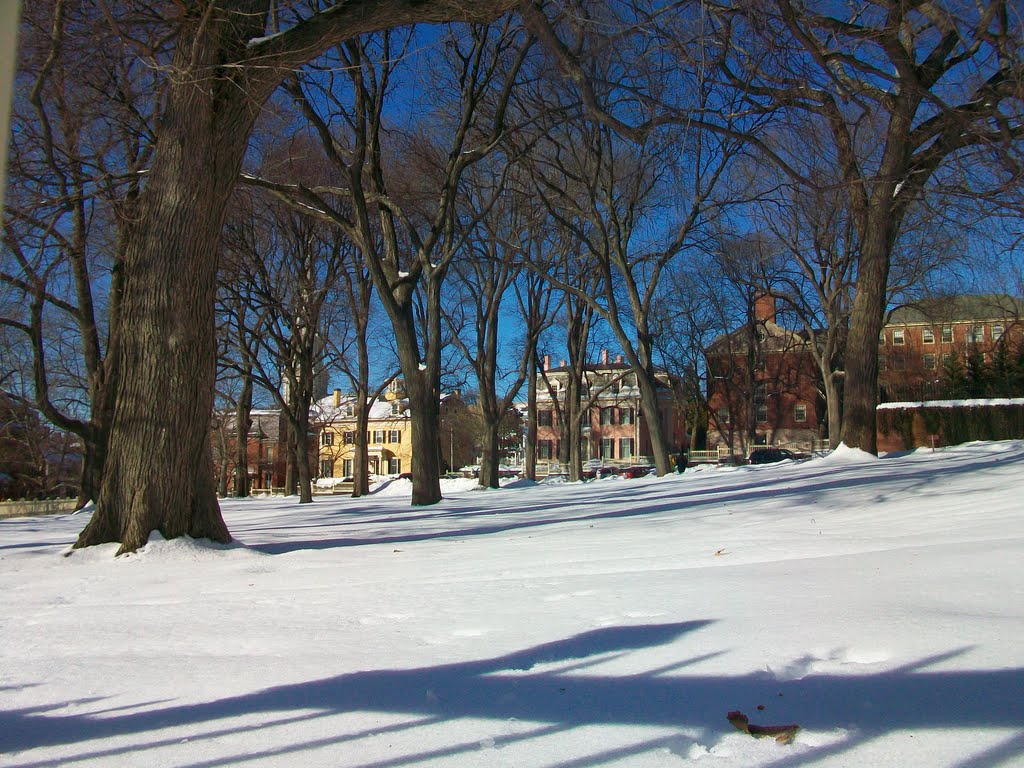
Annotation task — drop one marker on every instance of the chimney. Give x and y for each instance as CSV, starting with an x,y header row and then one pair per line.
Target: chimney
x,y
604,357
547,362
764,307
337,398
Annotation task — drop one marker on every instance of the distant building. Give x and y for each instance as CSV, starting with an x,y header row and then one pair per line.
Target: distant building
x,y
924,343
388,434
614,430
266,448
762,386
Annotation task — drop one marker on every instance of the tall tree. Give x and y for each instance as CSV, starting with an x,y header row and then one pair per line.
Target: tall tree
x,y
406,225
223,67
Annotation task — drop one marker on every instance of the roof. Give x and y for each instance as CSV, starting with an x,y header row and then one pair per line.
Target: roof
x,y
951,309
777,339
327,411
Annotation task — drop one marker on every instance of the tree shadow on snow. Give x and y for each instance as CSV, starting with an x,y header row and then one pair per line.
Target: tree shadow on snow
x,y
556,687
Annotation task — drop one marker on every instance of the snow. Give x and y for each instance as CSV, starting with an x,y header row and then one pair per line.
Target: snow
x,y
876,602
969,403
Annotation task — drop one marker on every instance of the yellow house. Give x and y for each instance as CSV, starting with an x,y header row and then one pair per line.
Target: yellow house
x,y
387,435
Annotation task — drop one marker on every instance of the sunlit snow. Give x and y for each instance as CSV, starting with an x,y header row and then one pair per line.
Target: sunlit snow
x,y
876,603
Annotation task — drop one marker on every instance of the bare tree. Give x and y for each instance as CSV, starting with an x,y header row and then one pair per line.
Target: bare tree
x,y
487,277
406,226
223,67
918,100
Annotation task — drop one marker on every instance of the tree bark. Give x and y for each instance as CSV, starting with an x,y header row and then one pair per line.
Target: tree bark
x,y
159,469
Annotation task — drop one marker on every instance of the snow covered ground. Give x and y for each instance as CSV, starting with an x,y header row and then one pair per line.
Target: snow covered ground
x,y
877,603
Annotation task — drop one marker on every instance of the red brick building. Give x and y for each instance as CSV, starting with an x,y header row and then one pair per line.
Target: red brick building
x,y
614,430
923,345
762,387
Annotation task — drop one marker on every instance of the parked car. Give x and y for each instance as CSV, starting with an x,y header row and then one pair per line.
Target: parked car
x,y
641,470
772,455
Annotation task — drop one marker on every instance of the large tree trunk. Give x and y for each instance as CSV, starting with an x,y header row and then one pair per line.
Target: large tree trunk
x,y
159,470
860,396
426,468
489,474
652,415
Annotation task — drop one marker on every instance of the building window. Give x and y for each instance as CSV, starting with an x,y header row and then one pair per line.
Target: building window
x,y
545,419
899,363
762,414
947,334
625,447
270,453
347,467
760,391
394,436
326,438
350,410
348,437
928,336
997,332
376,437
544,449
607,416
607,448
761,335
883,363
977,334
394,466
947,358
723,416
626,415
326,468
930,363
800,413
881,339
898,337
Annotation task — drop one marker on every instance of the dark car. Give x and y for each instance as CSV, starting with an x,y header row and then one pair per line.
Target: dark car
x,y
772,455
637,471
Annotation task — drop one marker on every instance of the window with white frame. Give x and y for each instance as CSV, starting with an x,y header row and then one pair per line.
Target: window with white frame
x,y
607,416
607,448
626,416
545,418
799,413
947,358
348,437
396,408
930,362
928,336
899,337
394,436
997,332
544,449
350,410
376,437
625,447
977,334
947,334
347,465
394,466
326,438
326,468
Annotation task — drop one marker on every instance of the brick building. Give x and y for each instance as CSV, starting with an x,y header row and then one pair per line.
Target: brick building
x,y
614,430
924,344
762,386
